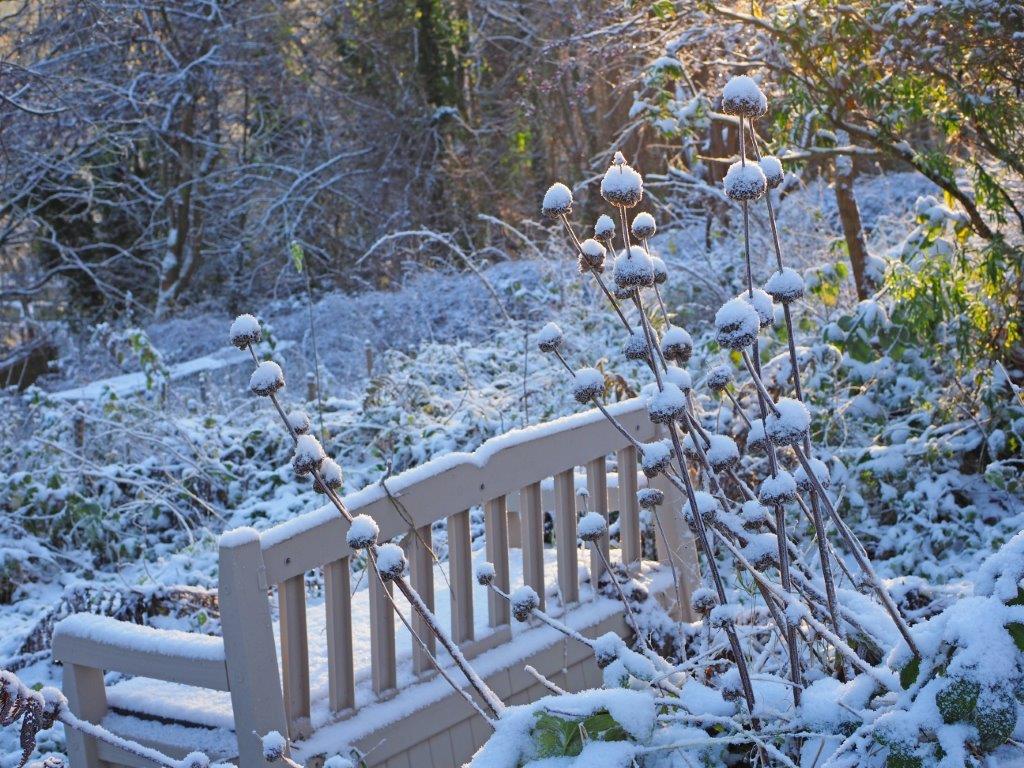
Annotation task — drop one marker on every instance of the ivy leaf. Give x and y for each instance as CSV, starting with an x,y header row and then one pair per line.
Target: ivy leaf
x,y
908,675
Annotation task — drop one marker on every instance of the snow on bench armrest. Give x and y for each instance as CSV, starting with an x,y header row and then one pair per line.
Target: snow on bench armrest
x,y
161,654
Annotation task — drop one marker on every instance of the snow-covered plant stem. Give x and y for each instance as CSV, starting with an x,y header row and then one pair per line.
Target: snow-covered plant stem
x,y
490,698
595,273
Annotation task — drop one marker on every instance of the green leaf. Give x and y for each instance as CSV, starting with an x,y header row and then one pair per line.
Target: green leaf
x,y
298,255
908,675
1016,630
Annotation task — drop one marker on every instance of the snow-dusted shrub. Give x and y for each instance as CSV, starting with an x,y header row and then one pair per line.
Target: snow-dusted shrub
x,y
838,662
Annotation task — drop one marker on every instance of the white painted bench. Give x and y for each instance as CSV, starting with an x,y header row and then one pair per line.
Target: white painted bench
x,y
269,683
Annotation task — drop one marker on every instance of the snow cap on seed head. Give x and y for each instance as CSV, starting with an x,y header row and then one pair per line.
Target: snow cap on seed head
x,y
820,471
707,508
745,181
667,405
737,324
789,423
756,438
677,344
656,457
636,346
191,760
274,745
245,330
622,186
309,454
557,201
780,489
722,453
660,270
267,379
391,563
524,601
363,532
773,172
587,384
679,376
550,338
484,573
592,255
718,378
332,475
604,229
743,98
785,285
299,422
634,269
762,304
643,226
592,526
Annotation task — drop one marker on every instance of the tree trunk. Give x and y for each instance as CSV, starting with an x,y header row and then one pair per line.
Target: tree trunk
x,y
853,231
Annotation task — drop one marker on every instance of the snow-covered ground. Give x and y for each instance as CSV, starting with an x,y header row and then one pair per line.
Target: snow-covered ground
x,y
162,474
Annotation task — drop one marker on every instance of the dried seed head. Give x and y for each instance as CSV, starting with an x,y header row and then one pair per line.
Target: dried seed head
x,y
604,229
587,384
707,508
667,405
592,526
649,498
267,379
623,294
245,330
780,489
677,345
607,648
660,270
391,563
557,201
737,324
756,438
656,458
820,471
332,475
622,186
299,422
722,453
785,285
484,574
703,601
550,338
309,455
762,551
719,377
363,532
643,226
762,304
789,424
754,515
524,601
742,97
592,255
274,746
634,269
191,760
636,346
745,181
773,172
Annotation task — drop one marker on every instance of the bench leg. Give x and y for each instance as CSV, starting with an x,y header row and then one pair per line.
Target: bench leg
x,y
87,698
256,697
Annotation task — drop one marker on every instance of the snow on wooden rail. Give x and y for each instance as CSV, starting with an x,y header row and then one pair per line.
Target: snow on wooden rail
x,y
516,464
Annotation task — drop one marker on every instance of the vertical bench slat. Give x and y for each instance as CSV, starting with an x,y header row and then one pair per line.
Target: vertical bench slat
x,y
597,499
565,537
460,573
496,547
340,663
295,654
629,507
531,515
382,635
676,547
421,574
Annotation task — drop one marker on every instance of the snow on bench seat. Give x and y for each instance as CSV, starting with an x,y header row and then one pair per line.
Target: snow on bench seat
x,y
106,643
212,708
